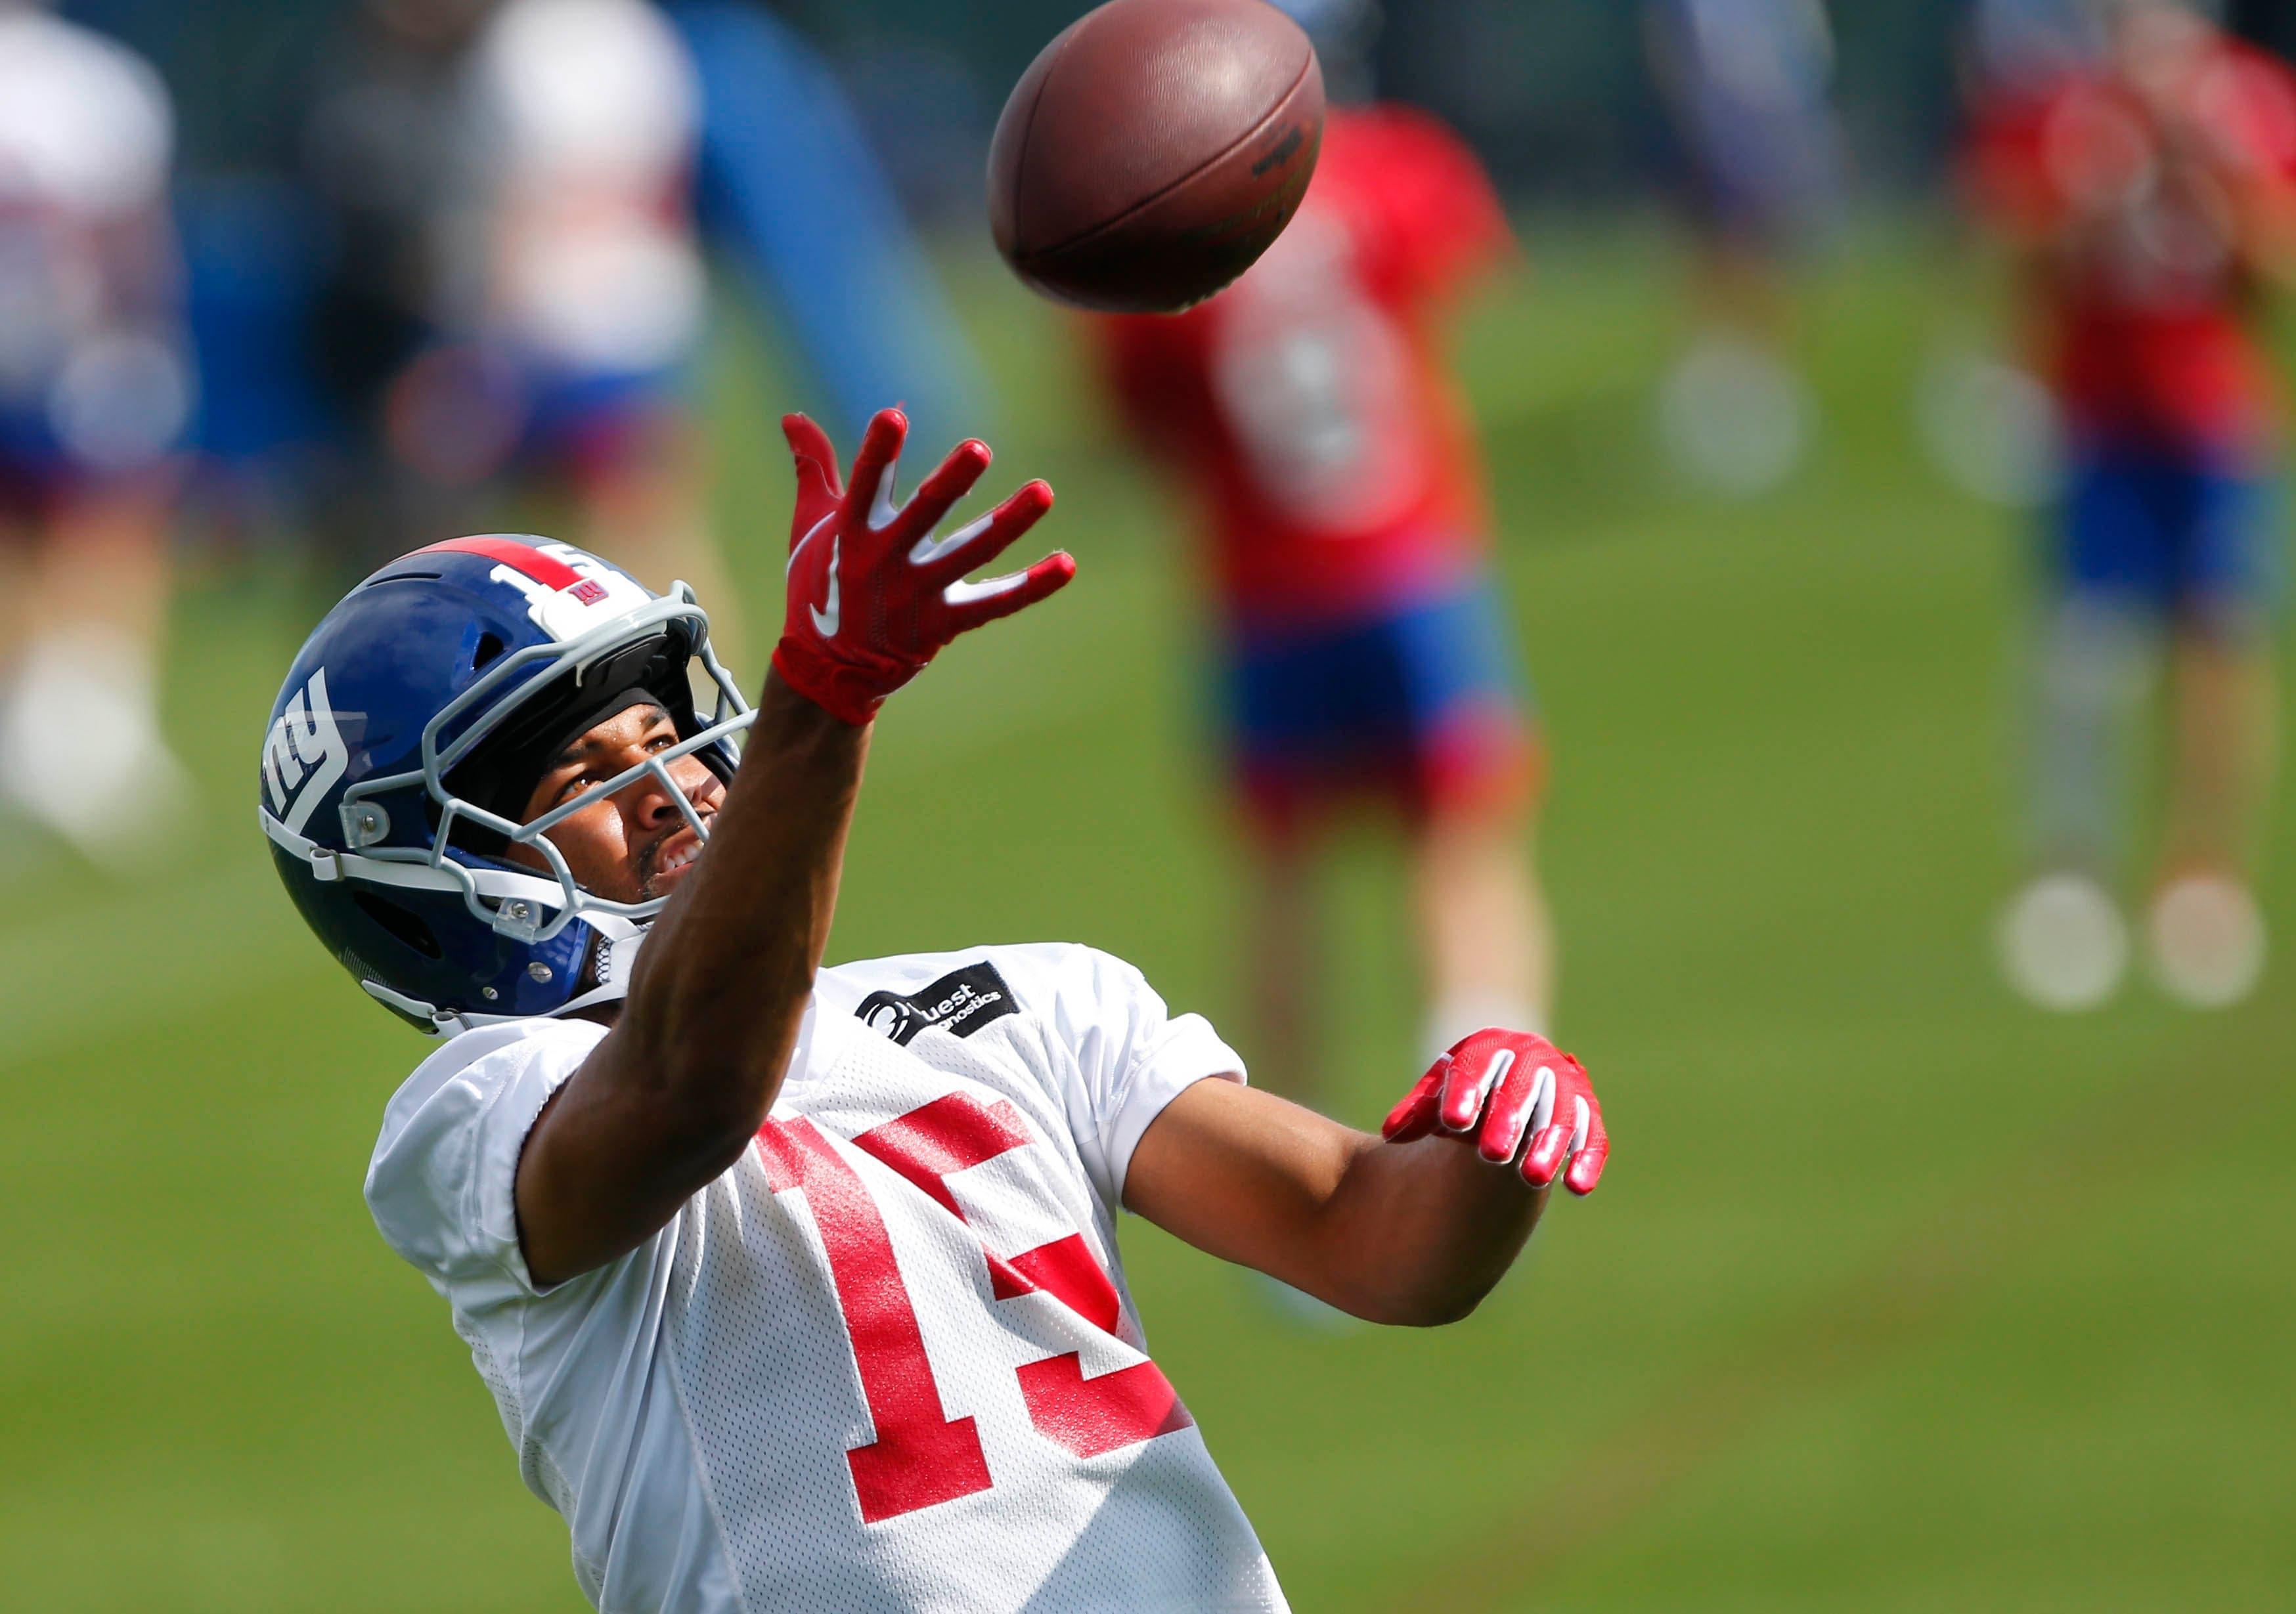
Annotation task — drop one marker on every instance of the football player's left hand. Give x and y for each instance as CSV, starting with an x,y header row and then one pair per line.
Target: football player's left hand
x,y
1501,1087
873,593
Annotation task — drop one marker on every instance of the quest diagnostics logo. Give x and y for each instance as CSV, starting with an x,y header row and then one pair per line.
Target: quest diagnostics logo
x,y
959,1003
304,754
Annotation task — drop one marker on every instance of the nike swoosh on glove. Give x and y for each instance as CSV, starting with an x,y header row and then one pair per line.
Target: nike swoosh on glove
x,y
1501,1087
873,593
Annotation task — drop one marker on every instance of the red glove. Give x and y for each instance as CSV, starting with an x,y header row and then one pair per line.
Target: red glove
x,y
1502,1086
872,594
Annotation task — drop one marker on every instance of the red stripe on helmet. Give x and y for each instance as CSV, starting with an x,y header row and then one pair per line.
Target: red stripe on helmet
x,y
518,557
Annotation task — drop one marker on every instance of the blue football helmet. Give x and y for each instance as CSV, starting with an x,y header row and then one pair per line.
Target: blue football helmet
x,y
411,730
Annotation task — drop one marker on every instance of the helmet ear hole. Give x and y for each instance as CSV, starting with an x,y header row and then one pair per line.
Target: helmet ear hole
x,y
490,646
402,927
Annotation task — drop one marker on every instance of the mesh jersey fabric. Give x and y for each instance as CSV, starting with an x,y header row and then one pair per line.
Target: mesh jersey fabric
x,y
887,1360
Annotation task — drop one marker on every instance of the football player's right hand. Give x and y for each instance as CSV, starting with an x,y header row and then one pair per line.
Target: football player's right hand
x,y
1501,1087
872,594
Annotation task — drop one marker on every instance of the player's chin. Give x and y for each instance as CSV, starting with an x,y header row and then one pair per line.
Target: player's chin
x,y
661,885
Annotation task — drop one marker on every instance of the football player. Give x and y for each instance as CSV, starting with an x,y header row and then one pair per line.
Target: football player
x,y
1748,87
2152,195
1364,649
94,392
519,291
798,1286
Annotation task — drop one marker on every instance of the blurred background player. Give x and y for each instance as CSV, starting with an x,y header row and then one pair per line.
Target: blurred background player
x,y
1748,87
1364,648
94,393
1988,421
519,294
2152,195
516,288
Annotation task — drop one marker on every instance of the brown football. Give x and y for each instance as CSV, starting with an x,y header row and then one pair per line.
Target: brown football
x,y
1153,150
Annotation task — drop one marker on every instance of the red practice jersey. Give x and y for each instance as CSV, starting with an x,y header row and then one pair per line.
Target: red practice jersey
x,y
2145,214
1309,403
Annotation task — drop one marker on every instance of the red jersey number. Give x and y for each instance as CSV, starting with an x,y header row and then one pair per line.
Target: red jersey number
x,y
920,1456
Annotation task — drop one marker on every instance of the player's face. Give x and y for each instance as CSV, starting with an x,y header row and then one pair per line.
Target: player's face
x,y
634,845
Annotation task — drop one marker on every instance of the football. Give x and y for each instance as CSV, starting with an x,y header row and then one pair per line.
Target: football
x,y
1153,150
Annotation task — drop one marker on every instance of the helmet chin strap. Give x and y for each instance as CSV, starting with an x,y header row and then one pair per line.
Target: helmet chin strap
x,y
615,960
615,957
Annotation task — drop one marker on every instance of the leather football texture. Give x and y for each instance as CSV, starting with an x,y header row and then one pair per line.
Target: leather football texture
x,y
1153,150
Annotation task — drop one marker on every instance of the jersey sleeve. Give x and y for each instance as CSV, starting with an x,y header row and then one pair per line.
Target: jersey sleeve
x,y
1445,226
1128,1055
2251,99
439,1185
1146,362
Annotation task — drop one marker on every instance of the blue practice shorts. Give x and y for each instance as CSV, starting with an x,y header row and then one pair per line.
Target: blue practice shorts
x,y
32,464
572,416
39,472
1424,703
2170,533
460,413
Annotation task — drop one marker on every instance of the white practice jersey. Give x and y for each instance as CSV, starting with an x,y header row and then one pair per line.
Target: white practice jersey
x,y
584,118
887,1361
87,136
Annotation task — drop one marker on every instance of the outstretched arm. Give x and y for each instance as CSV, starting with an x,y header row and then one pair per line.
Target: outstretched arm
x,y
684,1079
1412,1227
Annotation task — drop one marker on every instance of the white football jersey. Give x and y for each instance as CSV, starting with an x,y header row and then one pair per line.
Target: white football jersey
x,y
585,117
86,127
87,136
887,1361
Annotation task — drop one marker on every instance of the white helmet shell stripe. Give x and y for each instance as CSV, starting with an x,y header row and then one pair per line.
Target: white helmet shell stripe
x,y
568,593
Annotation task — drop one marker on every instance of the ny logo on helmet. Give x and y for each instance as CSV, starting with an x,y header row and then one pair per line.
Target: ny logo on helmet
x,y
304,754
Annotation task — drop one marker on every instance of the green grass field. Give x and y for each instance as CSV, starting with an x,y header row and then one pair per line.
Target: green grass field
x,y
1897,1296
